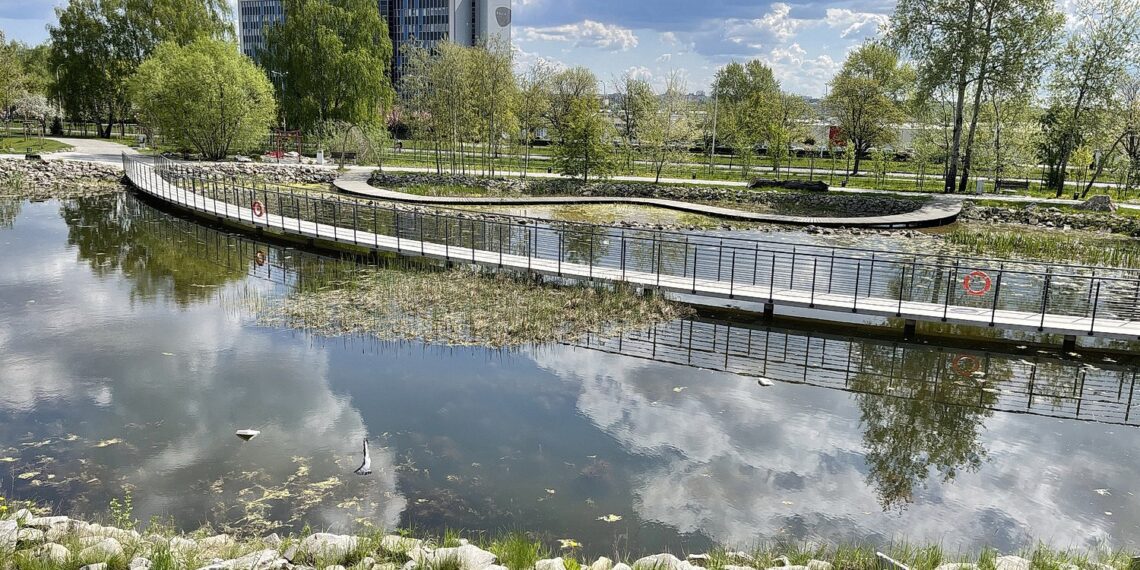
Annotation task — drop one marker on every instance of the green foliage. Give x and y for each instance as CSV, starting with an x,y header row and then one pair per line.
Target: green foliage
x,y
586,147
867,98
742,92
98,44
204,96
516,551
331,60
122,512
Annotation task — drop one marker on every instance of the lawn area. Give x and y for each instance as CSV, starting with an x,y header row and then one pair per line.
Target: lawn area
x,y
18,145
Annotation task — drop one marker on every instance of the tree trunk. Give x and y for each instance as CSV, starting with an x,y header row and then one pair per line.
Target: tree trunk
x,y
959,108
1100,166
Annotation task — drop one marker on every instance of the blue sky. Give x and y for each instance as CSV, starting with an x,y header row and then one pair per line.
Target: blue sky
x,y
804,41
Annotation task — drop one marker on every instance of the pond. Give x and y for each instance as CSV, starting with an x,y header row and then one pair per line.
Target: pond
x,y
131,350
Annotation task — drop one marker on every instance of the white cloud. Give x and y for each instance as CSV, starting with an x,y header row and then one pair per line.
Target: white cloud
x,y
670,38
586,33
663,58
639,72
865,23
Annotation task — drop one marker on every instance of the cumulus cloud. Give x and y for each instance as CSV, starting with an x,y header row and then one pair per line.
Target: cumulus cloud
x,y
852,23
587,33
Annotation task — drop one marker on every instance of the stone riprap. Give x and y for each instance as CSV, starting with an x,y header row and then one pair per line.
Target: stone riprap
x,y
811,203
273,173
50,172
1051,218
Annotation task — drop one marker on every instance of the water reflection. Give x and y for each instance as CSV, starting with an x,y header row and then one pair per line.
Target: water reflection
x,y
124,374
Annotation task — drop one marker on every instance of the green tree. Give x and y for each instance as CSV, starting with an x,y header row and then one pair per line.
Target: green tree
x,y
586,146
866,97
1088,70
668,130
743,92
494,97
97,45
967,44
784,119
636,103
441,107
567,87
333,58
205,96
12,77
534,103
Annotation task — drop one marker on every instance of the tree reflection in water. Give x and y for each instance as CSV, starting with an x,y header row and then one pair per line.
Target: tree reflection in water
x,y
922,415
117,233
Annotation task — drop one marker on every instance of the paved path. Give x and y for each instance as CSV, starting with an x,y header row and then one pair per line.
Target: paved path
x,y
92,150
939,211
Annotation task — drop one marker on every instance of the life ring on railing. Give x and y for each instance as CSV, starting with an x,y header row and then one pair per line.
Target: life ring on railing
x,y
976,277
965,365
259,258
258,209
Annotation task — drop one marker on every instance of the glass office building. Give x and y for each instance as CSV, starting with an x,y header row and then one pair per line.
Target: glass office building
x,y
422,22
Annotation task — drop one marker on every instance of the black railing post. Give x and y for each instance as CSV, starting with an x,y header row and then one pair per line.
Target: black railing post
x,y
1045,297
1096,301
902,286
814,267
732,278
858,277
997,293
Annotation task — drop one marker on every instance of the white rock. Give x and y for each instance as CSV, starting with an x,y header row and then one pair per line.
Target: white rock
x,y
550,564
470,557
698,559
53,552
272,541
97,566
216,543
44,523
9,534
1011,563
101,551
602,563
22,515
267,559
661,562
957,566
30,536
731,567
328,546
182,545
399,544
622,566
140,563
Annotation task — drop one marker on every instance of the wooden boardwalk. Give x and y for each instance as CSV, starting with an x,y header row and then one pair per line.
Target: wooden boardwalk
x,y
151,180
939,211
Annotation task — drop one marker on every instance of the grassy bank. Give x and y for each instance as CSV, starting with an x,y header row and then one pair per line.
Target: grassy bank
x,y
122,542
1029,244
21,145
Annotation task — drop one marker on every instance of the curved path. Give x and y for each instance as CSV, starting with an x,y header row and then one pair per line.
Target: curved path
x,y
938,211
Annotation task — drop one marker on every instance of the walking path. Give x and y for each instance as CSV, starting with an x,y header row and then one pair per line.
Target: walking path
x,y
937,212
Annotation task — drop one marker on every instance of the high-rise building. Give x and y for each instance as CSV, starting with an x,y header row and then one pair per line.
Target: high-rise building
x,y
428,22
253,16
419,22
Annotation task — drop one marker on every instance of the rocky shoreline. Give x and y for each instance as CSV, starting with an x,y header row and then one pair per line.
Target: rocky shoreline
x,y
1049,217
64,542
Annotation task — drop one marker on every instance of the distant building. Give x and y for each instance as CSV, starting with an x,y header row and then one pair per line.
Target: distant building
x,y
422,22
428,22
253,16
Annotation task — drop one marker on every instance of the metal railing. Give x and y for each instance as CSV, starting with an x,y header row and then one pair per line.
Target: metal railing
x,y
1024,383
704,264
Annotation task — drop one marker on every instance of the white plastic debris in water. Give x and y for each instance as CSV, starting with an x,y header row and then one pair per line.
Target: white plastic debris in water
x,y
764,381
247,434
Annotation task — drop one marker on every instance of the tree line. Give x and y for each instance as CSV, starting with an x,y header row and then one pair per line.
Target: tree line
x,y
982,84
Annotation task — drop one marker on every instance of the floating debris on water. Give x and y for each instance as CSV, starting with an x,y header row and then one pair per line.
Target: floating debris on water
x,y
247,434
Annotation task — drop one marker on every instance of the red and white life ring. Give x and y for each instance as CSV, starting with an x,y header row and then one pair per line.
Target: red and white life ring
x,y
259,258
258,209
972,280
965,365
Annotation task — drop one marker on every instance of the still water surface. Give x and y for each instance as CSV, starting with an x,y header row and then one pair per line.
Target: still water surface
x,y
130,352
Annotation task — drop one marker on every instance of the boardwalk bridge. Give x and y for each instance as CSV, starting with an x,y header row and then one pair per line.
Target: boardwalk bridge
x,y
1063,299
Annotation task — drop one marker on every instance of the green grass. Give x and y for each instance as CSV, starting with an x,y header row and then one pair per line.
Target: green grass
x,y
1043,245
21,145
